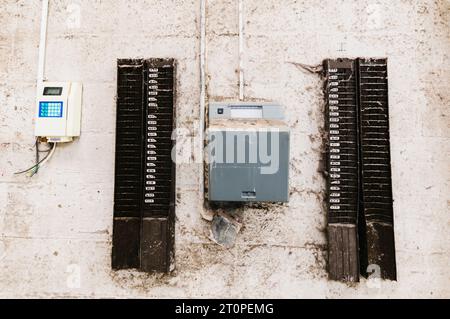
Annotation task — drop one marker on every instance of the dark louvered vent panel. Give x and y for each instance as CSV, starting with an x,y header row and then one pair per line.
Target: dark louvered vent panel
x,y
159,126
359,183
376,236
375,149
342,155
129,131
144,196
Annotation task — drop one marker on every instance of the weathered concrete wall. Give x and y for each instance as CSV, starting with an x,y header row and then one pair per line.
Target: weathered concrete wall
x,y
58,225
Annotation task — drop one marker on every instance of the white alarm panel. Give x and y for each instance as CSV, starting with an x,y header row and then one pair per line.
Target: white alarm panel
x,y
58,111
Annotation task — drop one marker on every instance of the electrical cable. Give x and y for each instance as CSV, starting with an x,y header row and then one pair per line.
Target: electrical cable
x,y
38,156
39,163
241,49
33,172
36,145
45,151
30,168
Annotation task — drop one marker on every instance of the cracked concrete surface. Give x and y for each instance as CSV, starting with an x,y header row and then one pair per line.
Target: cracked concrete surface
x,y
56,228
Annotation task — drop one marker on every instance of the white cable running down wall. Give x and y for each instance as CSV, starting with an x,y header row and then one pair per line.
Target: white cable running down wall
x,y
241,50
42,42
202,95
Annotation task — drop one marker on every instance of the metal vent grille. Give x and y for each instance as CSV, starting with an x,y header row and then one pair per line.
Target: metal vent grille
x,y
359,183
128,165
144,193
374,139
158,142
342,152
376,231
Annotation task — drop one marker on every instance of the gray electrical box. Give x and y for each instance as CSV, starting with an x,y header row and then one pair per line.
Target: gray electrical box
x,y
248,152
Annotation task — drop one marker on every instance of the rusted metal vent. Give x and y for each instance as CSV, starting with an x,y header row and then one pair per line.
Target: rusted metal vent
x,y
360,214
144,194
342,167
342,152
376,222
375,150
128,165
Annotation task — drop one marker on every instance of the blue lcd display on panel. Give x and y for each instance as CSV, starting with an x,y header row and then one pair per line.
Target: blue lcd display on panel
x,y
50,109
